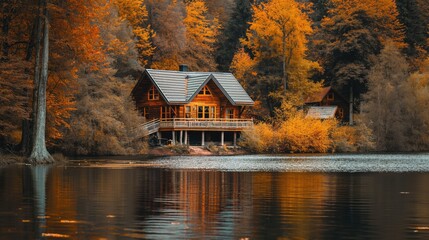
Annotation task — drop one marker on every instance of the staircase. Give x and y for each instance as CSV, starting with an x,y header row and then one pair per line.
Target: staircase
x,y
150,127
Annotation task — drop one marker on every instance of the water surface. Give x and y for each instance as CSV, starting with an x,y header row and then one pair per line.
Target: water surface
x,y
235,197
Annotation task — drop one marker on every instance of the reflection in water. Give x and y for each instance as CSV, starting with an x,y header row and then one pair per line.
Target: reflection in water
x,y
153,203
39,174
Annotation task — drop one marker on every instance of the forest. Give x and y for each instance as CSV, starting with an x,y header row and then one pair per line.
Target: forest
x,y
83,57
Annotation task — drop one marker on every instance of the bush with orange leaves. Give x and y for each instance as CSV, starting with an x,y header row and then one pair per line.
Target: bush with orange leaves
x,y
299,134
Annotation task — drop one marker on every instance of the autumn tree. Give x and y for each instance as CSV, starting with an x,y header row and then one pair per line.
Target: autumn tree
x,y
166,18
416,116
98,129
135,12
351,32
383,106
201,34
277,38
15,68
234,29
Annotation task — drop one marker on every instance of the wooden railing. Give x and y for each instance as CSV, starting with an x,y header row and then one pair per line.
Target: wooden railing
x,y
150,126
210,123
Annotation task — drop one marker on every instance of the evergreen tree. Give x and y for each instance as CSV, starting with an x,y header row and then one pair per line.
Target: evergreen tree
x,y
350,34
229,39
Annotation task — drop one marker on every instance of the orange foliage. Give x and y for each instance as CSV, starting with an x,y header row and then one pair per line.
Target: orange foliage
x,y
296,134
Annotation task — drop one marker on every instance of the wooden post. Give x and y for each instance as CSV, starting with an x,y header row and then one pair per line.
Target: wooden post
x,y
222,136
173,141
202,138
181,137
235,139
186,137
158,135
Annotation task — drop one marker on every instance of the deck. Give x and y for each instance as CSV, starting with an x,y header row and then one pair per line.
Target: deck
x,y
198,124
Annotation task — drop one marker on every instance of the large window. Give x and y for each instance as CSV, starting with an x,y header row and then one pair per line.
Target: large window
x,y
206,112
169,111
153,93
205,91
165,112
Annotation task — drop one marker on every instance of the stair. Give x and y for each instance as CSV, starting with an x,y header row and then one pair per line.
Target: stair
x,y
150,127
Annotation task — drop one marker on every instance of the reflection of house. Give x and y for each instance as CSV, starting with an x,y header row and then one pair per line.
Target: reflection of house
x,y
192,107
326,104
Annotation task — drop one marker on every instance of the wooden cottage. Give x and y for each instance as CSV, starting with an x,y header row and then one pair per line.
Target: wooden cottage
x,y
328,103
192,107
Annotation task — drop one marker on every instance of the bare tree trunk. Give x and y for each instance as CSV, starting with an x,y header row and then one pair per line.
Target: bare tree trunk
x,y
28,132
39,153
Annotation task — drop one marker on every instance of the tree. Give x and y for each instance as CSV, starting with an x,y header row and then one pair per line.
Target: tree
x,y
229,39
135,12
15,70
201,34
416,116
98,129
39,153
383,106
166,18
352,32
414,15
278,30
277,38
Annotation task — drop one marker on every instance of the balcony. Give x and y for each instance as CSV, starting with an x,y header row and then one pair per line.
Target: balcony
x,y
198,124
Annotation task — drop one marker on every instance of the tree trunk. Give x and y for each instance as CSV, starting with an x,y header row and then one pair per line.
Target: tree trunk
x,y
284,76
351,105
39,153
28,132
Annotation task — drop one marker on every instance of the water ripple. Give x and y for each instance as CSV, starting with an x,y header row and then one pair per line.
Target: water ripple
x,y
301,163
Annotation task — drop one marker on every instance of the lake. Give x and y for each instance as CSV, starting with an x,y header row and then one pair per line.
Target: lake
x,y
383,196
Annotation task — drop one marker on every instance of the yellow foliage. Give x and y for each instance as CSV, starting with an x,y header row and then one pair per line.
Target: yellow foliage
x,y
135,12
357,138
259,139
199,29
297,134
241,63
300,134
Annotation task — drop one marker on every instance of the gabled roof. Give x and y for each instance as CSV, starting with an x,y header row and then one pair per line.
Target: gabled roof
x,y
318,97
178,87
324,112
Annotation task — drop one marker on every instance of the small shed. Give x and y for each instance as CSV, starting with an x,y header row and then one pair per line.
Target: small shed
x,y
327,102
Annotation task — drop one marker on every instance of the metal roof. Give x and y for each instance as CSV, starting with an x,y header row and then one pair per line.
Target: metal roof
x,y
182,87
324,112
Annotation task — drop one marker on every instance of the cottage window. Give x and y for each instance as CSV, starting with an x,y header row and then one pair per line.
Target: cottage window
x,y
340,113
188,111
229,113
153,93
165,112
205,91
330,96
212,112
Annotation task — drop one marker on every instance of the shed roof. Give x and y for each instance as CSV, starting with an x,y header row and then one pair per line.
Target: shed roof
x,y
318,97
182,87
324,112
